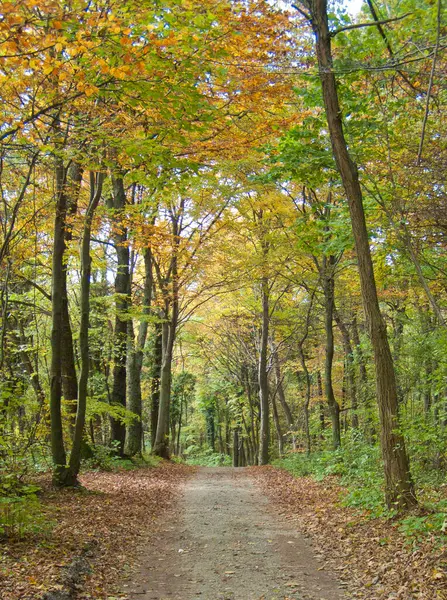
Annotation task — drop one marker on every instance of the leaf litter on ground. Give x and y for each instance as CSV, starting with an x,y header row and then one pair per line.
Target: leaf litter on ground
x,y
371,557
116,513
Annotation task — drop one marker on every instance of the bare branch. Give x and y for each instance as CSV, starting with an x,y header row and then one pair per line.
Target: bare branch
x,y
371,24
430,84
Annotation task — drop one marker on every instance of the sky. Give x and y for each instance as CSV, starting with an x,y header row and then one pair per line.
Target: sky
x,y
354,6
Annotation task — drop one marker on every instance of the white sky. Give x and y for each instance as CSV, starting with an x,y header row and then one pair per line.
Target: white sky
x,y
354,6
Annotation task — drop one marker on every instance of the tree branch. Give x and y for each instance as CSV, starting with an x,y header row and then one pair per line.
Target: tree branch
x,y
430,83
371,24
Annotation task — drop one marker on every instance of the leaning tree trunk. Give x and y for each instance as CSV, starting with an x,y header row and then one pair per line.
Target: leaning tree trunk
x,y
264,429
399,490
134,437
86,262
122,291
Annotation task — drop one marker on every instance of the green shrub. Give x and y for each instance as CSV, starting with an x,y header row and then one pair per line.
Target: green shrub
x,y
20,510
206,458
102,458
415,527
358,466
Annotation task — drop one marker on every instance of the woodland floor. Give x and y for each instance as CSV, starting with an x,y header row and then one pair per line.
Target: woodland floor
x,y
178,533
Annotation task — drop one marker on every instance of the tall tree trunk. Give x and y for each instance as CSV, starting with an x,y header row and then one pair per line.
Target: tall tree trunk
x,y
264,430
96,182
399,486
236,447
360,357
57,284
69,377
349,367
161,446
306,399
334,408
122,283
170,290
277,426
134,437
321,404
155,386
280,389
179,430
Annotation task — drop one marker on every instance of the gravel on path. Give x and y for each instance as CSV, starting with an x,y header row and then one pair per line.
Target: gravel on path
x,y
226,543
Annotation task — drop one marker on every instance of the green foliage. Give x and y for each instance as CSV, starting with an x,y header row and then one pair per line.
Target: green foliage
x,y
206,458
417,527
427,445
20,509
358,466
103,458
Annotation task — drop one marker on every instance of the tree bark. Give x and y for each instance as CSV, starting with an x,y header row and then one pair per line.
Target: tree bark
x,y
161,446
235,448
349,370
122,283
280,389
264,429
399,486
277,426
155,386
170,290
57,439
69,377
306,399
334,407
134,435
321,404
96,182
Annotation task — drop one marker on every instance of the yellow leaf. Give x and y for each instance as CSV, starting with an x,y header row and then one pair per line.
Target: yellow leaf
x,y
90,90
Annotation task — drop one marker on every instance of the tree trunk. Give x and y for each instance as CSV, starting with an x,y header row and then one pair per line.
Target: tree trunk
x,y
161,446
122,282
277,426
264,430
334,408
57,285
321,404
170,291
179,430
307,399
349,369
134,437
155,386
69,377
236,448
361,358
86,262
399,486
282,397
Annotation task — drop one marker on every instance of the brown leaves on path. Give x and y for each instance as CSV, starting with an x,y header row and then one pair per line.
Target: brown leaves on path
x,y
370,556
117,511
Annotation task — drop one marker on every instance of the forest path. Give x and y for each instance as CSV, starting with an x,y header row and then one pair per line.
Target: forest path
x,y
226,543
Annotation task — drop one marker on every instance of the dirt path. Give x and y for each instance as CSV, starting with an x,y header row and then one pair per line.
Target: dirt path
x,y
228,544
